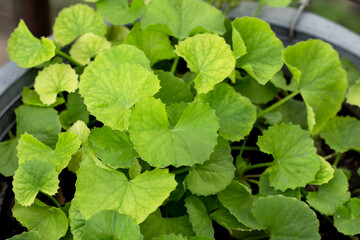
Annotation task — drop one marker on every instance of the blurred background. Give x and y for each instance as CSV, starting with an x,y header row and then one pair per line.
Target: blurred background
x,y
39,15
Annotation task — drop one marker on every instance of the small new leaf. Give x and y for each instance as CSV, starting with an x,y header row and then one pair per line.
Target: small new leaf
x,y
210,57
28,51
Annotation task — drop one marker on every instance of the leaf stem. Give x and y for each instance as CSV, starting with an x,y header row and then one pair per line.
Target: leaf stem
x,y
191,81
277,104
67,57
245,148
253,181
337,159
52,199
259,165
181,170
330,156
258,9
174,65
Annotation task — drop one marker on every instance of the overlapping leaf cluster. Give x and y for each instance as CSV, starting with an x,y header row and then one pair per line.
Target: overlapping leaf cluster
x,y
150,119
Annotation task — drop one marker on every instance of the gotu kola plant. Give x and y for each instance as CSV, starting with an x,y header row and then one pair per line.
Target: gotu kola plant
x,y
150,120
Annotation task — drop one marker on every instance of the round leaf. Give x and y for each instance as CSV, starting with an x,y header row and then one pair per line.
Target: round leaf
x,y
76,20
173,89
199,217
295,160
237,198
110,91
120,12
190,140
76,220
347,218
156,45
263,50
34,176
236,113
8,159
183,17
113,147
210,57
136,198
108,224
215,174
49,222
87,47
286,218
325,174
26,236
316,67
55,79
330,195
342,134
28,51
353,95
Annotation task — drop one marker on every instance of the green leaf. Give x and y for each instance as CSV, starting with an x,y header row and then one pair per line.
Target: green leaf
x,y
29,148
49,222
55,79
81,130
257,93
347,218
117,34
76,20
265,189
156,45
173,89
156,225
136,198
120,12
210,57
42,123
190,141
106,88
293,111
8,159
76,220
276,3
280,82
352,96
325,174
87,47
286,218
183,17
31,97
28,51
113,147
353,73
295,160
26,236
316,67
108,224
236,113
199,217
33,176
330,195
213,175
170,237
237,198
342,134
79,156
76,109
263,50
223,217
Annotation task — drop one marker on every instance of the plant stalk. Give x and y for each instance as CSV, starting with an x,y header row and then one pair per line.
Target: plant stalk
x,y
181,170
52,199
259,165
337,160
245,148
277,104
174,65
67,57
258,9
330,156
253,181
